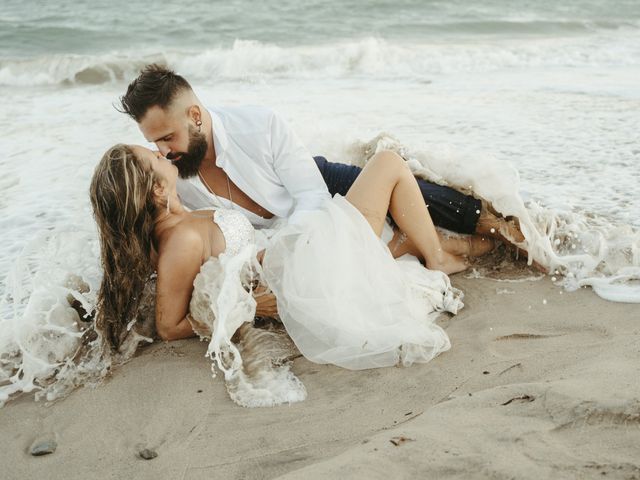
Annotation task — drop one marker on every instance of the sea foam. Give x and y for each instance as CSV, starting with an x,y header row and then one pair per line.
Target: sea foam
x,y
47,341
255,370
584,250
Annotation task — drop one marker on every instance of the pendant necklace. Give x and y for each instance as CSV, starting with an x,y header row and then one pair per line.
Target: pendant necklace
x,y
214,193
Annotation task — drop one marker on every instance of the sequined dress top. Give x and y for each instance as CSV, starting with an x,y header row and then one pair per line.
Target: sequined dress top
x,y
236,229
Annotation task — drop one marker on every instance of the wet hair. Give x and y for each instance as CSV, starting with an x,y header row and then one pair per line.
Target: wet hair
x,y
124,207
155,86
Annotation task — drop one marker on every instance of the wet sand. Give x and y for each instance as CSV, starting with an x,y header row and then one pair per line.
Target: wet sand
x,y
538,384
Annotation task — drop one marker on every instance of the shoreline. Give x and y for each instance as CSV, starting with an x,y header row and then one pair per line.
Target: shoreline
x,y
559,399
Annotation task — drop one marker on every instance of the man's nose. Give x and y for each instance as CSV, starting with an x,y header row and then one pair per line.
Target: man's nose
x,y
164,149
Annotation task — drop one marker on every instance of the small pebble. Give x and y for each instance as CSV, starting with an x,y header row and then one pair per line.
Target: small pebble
x,y
397,441
544,302
43,446
148,454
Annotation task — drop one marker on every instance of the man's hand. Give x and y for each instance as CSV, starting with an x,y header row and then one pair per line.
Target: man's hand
x,y
266,305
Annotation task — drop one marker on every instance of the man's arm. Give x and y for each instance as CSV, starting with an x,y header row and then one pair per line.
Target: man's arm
x,y
296,168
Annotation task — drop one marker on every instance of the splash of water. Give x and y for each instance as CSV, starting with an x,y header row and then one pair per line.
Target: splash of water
x,y
582,248
48,344
255,370
47,341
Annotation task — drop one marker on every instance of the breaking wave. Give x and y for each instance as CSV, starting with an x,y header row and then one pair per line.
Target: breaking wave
x,y
372,57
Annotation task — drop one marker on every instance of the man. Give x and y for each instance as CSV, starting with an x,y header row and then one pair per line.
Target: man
x,y
240,157
248,158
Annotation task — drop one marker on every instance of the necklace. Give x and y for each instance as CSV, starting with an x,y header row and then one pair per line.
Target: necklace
x,y
214,193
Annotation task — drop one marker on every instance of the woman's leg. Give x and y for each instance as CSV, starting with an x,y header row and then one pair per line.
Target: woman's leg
x,y
386,183
467,245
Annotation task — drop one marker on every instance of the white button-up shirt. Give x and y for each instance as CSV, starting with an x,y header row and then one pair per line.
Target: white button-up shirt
x,y
265,159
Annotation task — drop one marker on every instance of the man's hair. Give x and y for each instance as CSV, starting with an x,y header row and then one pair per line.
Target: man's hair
x,y
155,86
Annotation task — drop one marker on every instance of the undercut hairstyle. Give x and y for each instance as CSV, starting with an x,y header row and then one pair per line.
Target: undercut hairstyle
x,y
155,86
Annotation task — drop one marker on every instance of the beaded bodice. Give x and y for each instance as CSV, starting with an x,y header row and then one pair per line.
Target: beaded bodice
x,y
236,229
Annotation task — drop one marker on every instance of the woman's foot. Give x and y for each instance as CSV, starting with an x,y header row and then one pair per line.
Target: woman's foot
x,y
449,263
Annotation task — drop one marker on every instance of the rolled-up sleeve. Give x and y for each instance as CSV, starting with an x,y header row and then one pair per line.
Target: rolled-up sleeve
x,y
296,168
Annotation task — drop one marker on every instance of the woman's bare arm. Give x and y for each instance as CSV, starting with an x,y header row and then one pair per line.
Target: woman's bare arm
x,y
179,263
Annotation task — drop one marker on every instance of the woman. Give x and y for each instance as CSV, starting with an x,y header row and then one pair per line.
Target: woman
x,y
144,228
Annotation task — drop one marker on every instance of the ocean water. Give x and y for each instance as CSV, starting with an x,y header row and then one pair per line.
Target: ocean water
x,y
544,95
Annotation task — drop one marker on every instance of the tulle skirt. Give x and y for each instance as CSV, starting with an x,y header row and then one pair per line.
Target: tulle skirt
x,y
344,300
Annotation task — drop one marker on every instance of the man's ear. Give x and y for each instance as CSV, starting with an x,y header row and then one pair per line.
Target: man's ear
x,y
194,113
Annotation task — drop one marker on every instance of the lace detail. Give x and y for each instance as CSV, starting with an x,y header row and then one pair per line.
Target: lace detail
x,y
236,229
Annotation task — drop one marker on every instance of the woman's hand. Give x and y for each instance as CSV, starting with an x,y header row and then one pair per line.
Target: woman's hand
x,y
266,305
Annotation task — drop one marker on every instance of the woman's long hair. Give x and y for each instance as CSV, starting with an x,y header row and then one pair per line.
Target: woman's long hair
x,y
124,208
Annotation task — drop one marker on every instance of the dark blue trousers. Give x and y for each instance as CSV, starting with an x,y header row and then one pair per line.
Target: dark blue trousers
x,y
448,208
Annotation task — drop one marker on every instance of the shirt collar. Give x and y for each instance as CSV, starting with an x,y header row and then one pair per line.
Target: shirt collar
x,y
220,140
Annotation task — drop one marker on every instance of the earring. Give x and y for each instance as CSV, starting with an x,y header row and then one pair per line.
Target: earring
x,y
198,124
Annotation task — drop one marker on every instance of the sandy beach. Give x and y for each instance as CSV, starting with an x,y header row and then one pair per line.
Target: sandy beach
x,y
539,383
528,105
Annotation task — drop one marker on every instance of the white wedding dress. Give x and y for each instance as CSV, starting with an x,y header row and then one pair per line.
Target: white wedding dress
x,y
341,296
344,300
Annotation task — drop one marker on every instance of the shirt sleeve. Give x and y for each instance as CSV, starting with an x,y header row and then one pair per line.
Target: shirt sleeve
x,y
296,168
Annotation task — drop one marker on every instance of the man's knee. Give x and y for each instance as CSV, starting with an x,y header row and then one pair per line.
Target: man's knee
x,y
321,162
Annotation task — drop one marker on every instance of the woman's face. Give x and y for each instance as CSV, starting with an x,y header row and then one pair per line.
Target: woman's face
x,y
154,161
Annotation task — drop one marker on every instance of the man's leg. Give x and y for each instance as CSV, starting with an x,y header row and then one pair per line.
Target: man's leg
x,y
448,208
494,224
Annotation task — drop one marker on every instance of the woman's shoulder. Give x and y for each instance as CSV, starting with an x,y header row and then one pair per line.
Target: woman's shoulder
x,y
180,256
200,235
184,239
189,232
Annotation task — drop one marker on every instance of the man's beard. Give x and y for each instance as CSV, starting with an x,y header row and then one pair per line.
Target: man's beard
x,y
190,160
